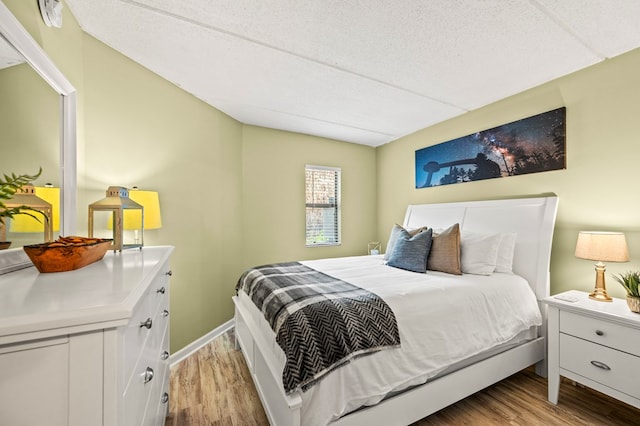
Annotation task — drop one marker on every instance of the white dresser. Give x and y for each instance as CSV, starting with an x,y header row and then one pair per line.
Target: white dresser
x,y
594,343
87,347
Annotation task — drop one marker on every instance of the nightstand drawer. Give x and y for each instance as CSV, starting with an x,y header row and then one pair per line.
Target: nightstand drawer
x,y
606,333
612,368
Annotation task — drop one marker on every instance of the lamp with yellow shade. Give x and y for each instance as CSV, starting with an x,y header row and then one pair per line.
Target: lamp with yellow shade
x,y
601,247
45,201
115,204
24,223
130,210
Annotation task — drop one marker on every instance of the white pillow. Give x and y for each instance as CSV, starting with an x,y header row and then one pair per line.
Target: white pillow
x,y
478,253
504,260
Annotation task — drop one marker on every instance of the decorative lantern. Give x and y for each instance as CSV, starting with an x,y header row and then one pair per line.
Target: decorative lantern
x,y
24,223
117,202
42,220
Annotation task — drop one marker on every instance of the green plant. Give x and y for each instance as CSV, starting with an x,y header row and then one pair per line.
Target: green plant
x,y
8,188
629,281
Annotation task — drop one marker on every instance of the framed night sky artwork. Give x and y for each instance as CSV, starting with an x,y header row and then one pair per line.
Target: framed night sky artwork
x,y
531,145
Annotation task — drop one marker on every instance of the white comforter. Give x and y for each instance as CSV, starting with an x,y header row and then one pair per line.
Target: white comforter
x,y
443,319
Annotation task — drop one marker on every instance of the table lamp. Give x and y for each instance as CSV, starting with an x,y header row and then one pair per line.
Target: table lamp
x,y
117,202
601,247
39,221
24,223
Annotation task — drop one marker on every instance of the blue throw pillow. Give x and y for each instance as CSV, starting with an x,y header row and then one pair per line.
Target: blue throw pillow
x,y
411,253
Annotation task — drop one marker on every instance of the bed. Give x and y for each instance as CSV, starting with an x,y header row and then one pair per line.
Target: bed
x,y
402,385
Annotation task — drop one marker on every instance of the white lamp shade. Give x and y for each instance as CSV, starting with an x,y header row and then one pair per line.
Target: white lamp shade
x,y
602,246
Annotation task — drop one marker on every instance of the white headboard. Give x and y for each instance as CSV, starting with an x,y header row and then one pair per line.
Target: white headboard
x,y
532,219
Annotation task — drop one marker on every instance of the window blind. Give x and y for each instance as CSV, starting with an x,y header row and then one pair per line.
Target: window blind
x,y
322,199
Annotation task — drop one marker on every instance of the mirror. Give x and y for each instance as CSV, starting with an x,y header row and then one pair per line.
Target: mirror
x,y
30,137
19,46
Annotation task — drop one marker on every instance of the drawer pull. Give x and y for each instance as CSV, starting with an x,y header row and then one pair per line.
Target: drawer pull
x,y
146,324
600,332
165,313
169,273
165,398
164,356
161,290
600,365
148,374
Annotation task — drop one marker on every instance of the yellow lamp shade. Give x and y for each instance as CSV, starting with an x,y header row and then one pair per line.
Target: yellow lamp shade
x,y
25,223
151,203
132,219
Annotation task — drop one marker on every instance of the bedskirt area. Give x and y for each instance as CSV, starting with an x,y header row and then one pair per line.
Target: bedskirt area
x,y
446,322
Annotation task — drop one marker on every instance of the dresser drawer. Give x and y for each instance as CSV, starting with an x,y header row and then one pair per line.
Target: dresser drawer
x,y
148,311
160,325
606,333
615,369
136,396
157,409
135,336
141,396
157,405
160,286
144,349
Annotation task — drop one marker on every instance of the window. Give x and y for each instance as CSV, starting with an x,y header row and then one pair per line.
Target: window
x,y
322,185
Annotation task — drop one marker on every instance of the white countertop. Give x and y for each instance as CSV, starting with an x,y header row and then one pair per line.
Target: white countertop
x,y
103,293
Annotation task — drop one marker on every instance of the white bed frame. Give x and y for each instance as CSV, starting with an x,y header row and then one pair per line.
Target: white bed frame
x,y
532,219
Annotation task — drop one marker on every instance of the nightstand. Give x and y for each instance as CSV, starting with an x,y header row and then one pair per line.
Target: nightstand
x,y
594,343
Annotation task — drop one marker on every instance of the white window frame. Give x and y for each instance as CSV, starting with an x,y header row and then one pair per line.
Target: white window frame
x,y
337,207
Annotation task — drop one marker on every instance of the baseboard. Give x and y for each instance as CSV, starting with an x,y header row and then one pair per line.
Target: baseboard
x,y
192,347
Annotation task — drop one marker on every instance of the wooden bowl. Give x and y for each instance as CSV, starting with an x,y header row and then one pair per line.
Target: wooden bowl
x,y
53,257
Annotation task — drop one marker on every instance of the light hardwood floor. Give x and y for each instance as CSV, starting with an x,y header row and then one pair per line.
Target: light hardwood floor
x,y
213,387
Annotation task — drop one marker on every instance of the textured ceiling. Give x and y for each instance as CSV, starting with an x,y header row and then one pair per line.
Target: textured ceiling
x,y
366,72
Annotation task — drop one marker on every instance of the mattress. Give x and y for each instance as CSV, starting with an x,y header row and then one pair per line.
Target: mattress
x,y
445,322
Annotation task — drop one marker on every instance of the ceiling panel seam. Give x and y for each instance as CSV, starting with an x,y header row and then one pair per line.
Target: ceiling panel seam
x,y
566,28
326,121
290,53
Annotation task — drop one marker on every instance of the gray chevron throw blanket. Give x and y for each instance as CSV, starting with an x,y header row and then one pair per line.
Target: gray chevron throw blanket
x,y
320,322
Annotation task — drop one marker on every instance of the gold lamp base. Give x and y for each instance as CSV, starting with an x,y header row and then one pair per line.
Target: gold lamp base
x,y
600,292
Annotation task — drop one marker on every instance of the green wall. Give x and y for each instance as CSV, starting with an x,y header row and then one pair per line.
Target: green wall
x,y
232,195
597,189
143,131
274,195
30,123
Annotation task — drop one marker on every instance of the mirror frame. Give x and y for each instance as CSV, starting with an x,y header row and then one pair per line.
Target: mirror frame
x,y
17,36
